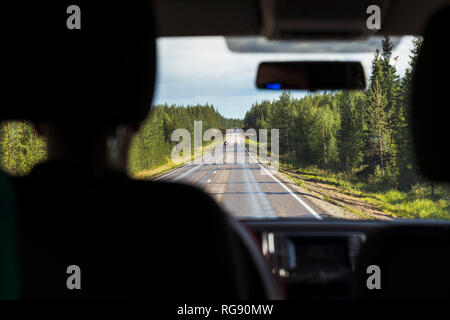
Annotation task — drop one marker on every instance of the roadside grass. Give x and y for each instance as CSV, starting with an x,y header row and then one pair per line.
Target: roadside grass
x,y
359,213
419,202
266,158
251,142
170,165
413,205
257,144
146,174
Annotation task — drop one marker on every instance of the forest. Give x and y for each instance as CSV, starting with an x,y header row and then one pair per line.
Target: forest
x,y
21,148
359,141
362,133
152,146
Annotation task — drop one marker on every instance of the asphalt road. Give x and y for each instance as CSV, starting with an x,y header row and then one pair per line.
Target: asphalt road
x,y
243,186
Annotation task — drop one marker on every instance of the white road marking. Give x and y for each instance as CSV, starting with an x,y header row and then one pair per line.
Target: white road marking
x,y
261,203
172,172
183,167
315,214
201,160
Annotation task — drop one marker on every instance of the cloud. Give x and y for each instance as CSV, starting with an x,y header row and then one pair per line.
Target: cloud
x,y
261,44
195,70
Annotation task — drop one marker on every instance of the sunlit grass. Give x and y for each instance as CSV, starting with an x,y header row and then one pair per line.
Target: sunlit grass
x,y
411,205
419,202
145,174
169,165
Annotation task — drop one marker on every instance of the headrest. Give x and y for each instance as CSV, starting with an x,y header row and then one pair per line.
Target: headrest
x,y
77,60
429,99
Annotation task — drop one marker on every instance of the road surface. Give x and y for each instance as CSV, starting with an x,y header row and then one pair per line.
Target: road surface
x,y
242,185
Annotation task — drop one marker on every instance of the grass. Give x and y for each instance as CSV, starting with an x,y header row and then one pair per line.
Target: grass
x,y
170,165
411,205
359,213
419,202
266,159
145,174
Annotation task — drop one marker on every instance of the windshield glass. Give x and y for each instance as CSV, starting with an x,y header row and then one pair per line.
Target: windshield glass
x,y
315,155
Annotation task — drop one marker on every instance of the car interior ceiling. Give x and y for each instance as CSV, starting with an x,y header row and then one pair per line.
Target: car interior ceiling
x,y
62,212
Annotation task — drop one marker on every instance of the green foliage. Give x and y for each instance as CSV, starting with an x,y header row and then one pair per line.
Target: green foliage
x,y
350,138
282,116
423,200
151,146
415,205
354,140
322,134
363,134
20,147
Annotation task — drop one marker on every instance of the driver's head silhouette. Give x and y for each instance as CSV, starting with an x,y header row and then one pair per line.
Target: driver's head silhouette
x,y
86,90
97,146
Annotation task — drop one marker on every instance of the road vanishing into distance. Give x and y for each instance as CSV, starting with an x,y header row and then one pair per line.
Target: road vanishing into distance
x,y
242,185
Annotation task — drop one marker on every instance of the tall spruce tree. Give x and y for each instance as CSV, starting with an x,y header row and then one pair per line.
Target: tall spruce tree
x,y
408,167
395,110
376,122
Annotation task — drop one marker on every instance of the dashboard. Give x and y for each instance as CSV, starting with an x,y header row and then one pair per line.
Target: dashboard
x,y
318,260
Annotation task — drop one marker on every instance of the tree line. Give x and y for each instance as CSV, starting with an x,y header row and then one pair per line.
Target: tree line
x,y
362,133
152,145
365,134
21,148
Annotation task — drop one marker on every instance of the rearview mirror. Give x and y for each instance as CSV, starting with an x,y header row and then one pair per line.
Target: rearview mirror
x,y
311,75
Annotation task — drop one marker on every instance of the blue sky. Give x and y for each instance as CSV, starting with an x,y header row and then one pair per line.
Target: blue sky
x,y
202,70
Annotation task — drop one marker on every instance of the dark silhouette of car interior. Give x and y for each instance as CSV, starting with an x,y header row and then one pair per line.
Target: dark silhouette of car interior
x,y
131,238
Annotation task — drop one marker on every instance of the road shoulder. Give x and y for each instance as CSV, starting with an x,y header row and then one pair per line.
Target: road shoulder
x,y
330,203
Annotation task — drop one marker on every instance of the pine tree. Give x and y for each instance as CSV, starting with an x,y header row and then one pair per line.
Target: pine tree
x,y
376,118
395,110
408,166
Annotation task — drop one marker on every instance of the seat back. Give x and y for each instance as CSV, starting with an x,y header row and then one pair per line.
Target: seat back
x,y
9,266
429,101
413,260
131,239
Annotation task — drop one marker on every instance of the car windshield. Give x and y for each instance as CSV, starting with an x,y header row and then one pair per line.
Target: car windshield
x,y
276,154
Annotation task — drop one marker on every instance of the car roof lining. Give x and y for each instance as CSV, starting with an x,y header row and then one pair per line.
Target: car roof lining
x,y
245,17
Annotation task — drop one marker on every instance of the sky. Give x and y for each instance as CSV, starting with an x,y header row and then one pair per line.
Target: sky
x,y
200,70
